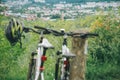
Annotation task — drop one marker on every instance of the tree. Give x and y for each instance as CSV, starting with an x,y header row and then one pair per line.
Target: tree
x,y
55,16
3,8
108,44
39,15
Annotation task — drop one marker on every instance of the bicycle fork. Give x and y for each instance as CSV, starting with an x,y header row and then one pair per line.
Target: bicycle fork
x,y
65,69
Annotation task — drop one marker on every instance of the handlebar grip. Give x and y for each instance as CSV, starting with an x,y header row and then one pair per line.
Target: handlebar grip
x,y
92,34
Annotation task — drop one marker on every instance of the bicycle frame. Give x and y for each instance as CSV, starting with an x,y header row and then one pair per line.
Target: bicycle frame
x,y
66,55
38,62
41,58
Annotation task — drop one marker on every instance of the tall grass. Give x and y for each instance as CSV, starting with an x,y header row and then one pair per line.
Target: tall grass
x,y
14,61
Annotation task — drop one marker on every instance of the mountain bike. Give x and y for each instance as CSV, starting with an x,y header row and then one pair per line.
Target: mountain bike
x,y
62,66
36,66
14,32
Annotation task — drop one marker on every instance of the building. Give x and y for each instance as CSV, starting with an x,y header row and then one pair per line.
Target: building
x,y
42,1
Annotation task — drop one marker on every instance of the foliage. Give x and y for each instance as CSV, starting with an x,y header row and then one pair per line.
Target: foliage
x,y
103,59
57,16
2,8
108,44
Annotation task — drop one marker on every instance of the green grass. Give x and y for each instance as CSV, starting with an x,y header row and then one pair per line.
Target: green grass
x,y
103,71
14,60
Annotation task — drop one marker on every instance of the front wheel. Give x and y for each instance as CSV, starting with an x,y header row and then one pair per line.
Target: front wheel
x,y
32,66
58,69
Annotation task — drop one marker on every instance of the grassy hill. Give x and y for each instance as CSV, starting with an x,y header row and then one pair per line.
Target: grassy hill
x,y
103,60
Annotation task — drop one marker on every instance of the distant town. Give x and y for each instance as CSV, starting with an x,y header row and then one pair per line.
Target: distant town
x,y
69,11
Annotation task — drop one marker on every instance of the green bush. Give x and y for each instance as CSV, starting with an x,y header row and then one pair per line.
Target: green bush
x,y
104,57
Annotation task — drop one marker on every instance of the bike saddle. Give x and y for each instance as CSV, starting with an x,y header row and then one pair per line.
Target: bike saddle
x,y
69,55
45,43
66,52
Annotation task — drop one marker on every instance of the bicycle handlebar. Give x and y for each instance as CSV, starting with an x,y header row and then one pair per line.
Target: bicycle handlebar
x,y
26,30
86,35
54,32
60,33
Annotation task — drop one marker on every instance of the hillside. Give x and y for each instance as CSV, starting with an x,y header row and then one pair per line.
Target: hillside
x,y
103,59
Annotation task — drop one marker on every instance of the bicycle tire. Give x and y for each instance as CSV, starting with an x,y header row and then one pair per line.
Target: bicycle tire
x,y
31,70
57,69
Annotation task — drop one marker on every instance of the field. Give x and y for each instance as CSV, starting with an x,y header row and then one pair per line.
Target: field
x,y
103,58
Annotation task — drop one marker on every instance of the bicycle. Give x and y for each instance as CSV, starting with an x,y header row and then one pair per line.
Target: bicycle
x,y
62,65
63,72
35,63
36,66
14,32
